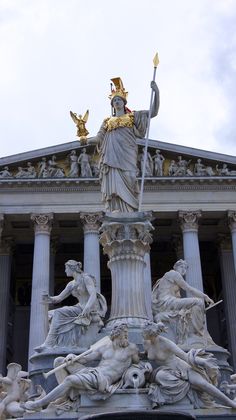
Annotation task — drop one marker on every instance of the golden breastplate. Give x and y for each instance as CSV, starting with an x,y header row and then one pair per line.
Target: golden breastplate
x,y
126,120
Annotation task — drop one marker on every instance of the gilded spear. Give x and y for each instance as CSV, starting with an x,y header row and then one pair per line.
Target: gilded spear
x,y
155,64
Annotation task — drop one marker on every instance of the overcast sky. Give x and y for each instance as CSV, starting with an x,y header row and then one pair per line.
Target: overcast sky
x,y
59,55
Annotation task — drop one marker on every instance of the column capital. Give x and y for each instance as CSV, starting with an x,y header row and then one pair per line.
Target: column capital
x,y
42,222
224,242
232,220
189,220
91,221
6,245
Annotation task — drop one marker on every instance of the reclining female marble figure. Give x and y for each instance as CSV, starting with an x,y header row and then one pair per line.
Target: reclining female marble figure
x,y
193,374
69,322
116,356
188,312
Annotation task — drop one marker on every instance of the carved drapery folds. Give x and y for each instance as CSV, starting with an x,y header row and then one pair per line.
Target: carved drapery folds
x,y
126,242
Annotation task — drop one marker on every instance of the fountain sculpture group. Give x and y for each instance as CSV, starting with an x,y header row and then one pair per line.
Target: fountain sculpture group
x,y
154,350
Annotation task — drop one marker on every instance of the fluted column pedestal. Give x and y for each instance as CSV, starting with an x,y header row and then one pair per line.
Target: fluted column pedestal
x,y
125,239
229,291
5,278
148,284
40,280
91,225
189,227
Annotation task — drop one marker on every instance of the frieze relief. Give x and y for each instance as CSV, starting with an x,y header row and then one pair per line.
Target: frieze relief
x,y
84,163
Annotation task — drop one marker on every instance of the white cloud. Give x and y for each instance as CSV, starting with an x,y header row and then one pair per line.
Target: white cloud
x,y
59,55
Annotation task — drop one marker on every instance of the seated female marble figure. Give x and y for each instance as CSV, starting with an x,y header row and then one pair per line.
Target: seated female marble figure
x,y
179,374
68,323
185,315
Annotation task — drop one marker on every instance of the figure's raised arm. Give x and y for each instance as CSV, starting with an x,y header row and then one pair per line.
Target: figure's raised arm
x,y
179,280
156,100
59,298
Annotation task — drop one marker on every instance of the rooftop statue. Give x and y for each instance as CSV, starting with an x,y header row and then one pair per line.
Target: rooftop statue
x,y
186,314
116,356
158,160
118,150
53,170
148,165
84,162
74,167
68,323
193,374
5,173
80,122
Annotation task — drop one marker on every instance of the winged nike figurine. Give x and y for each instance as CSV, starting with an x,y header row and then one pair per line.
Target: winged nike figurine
x,y
80,122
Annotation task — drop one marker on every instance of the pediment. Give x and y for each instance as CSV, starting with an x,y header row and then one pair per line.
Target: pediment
x,y
57,161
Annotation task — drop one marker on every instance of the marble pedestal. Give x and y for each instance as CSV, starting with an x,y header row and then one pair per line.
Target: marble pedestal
x,y
126,240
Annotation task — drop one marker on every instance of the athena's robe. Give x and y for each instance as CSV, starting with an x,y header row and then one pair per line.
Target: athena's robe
x,y
118,160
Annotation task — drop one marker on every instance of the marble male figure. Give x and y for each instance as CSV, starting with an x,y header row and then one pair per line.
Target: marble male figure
x,y
116,356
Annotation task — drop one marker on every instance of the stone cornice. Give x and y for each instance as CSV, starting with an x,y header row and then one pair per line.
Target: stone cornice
x,y
92,184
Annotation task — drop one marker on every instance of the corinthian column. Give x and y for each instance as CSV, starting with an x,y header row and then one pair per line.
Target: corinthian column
x,y
232,226
189,227
91,224
40,281
5,277
126,241
229,291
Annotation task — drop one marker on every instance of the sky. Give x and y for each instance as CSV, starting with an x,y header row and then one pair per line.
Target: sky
x,y
59,55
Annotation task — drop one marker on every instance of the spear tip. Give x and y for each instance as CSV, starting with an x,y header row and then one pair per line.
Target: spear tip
x,y
156,60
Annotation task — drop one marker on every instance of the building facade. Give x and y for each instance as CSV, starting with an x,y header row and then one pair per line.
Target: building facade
x,y
51,211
